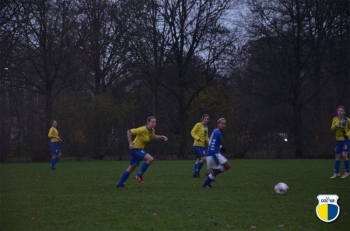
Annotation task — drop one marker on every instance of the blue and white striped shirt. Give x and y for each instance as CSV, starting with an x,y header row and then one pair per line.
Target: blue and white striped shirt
x,y
214,143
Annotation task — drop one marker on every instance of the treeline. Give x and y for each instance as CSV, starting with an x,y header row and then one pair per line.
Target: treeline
x,y
100,67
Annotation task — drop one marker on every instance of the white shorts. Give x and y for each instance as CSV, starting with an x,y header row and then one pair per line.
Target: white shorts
x,y
211,163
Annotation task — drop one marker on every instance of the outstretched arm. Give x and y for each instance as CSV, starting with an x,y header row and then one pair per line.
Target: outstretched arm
x,y
161,137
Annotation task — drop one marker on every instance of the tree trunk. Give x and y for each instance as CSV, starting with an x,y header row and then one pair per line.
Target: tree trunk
x,y
48,110
182,127
48,116
183,136
298,135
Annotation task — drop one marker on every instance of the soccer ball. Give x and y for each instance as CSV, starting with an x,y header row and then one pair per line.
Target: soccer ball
x,y
281,188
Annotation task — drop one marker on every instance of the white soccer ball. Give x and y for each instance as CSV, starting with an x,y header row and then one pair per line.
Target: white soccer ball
x,y
281,188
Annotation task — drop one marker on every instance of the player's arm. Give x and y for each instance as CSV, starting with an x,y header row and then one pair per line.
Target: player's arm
x,y
161,137
347,135
222,149
194,132
129,136
334,124
51,133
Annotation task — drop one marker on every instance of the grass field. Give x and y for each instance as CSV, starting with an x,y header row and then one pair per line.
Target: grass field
x,y
83,196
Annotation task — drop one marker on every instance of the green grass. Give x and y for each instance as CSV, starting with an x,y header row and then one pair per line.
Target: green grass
x,y
83,196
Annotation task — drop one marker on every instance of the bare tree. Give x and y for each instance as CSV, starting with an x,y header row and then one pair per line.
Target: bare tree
x,y
288,58
103,43
39,63
8,11
182,50
103,47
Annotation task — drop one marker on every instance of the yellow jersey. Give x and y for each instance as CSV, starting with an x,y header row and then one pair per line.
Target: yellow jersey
x,y
200,134
143,136
52,134
341,128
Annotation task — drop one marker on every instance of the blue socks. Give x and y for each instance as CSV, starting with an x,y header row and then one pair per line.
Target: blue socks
x,y
53,162
126,174
195,167
124,177
337,166
209,179
143,168
346,166
200,165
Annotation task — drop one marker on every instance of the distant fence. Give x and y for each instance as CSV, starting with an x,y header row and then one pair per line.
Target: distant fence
x,y
11,156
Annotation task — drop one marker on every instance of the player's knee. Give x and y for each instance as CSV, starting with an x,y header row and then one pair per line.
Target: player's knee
x,y
227,166
130,169
213,174
149,159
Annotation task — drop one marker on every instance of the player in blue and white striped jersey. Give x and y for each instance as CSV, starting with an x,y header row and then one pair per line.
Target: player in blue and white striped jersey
x,y
215,161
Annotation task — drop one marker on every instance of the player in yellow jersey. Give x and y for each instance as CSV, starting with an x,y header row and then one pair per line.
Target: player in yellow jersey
x,y
200,135
143,135
341,126
54,147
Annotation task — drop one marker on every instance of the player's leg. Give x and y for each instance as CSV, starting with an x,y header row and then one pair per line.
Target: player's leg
x,y
195,168
198,157
214,165
336,166
212,175
210,178
201,161
210,164
134,162
200,165
54,150
125,176
58,157
58,152
53,161
148,161
224,167
219,165
224,164
338,151
346,164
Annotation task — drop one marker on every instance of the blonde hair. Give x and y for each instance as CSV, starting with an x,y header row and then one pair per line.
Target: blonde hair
x,y
203,116
150,118
341,106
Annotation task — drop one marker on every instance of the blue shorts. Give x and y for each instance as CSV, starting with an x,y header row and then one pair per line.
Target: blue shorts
x,y
136,156
342,146
54,148
199,151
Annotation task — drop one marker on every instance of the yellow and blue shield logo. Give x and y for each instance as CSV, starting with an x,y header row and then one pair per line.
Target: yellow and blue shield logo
x,y
327,209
